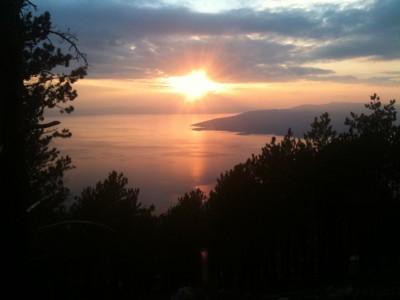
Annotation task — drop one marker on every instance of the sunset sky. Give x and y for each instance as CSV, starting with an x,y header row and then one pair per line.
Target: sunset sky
x,y
255,54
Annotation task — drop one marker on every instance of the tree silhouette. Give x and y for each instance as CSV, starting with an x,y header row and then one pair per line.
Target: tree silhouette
x,y
321,133
309,209
128,248
110,202
31,83
182,236
47,87
38,85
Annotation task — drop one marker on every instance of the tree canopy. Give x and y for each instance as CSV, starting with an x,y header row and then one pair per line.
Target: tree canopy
x,y
36,76
43,75
320,209
307,206
111,203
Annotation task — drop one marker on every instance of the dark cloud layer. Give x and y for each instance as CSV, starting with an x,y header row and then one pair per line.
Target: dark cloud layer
x,y
128,40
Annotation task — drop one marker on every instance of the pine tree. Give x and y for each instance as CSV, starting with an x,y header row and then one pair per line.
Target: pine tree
x,y
31,83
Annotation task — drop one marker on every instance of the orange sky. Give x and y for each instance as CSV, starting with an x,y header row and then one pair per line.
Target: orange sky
x,y
136,96
266,54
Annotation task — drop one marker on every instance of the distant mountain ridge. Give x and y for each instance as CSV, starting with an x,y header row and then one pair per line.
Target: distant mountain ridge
x,y
278,121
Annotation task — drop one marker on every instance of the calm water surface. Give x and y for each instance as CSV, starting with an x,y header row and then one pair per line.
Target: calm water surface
x,y
160,154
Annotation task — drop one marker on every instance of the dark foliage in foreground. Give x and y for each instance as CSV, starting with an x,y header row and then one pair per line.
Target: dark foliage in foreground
x,y
39,66
305,213
321,209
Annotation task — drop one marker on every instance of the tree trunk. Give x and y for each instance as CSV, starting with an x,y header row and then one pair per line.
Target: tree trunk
x,y
12,156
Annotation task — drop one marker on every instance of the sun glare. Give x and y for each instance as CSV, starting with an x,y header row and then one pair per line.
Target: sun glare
x,y
194,85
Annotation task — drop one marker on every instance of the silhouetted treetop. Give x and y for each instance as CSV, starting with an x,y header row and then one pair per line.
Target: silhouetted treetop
x,y
303,207
380,122
43,77
110,202
321,132
48,75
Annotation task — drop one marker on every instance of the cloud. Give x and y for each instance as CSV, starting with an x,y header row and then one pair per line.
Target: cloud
x,y
128,39
372,32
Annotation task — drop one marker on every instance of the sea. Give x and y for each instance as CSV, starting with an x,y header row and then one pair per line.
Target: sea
x,y
161,155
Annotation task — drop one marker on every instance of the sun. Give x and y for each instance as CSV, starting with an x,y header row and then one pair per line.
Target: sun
x,y
194,85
